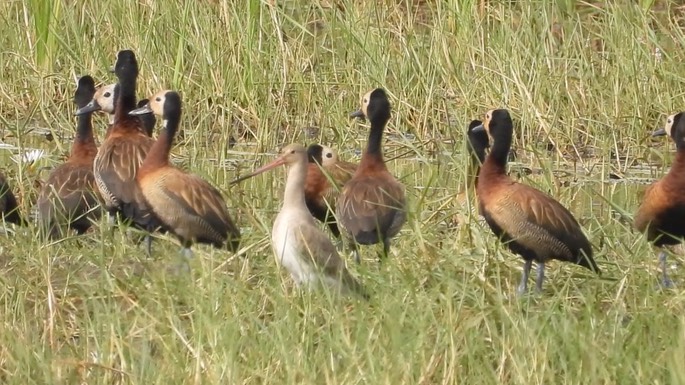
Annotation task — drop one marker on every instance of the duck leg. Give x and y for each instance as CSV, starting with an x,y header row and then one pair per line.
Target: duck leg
x,y
540,277
523,285
186,255
148,239
148,244
386,249
111,219
666,282
333,226
355,251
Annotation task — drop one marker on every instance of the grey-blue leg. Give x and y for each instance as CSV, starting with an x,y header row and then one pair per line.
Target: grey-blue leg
x,y
355,250
665,280
111,224
540,277
148,244
523,286
386,248
186,256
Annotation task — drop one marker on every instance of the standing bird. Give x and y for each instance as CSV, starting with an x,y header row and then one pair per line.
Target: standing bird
x,y
69,197
125,146
531,223
187,206
9,209
298,243
661,215
326,174
371,206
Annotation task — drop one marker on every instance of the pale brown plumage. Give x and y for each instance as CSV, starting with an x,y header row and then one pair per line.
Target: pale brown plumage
x,y
123,151
371,206
369,212
531,223
69,197
187,205
116,166
537,222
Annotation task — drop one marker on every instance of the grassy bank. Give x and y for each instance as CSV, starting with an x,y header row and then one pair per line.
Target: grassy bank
x,y
586,84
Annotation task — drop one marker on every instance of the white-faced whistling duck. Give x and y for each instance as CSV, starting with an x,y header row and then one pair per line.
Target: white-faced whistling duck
x,y
9,209
371,206
529,222
123,151
298,243
326,174
105,99
661,215
69,198
189,207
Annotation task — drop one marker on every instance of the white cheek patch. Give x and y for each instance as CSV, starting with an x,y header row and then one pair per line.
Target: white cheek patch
x,y
670,121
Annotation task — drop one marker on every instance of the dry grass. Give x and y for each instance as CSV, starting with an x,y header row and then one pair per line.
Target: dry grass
x,y
584,82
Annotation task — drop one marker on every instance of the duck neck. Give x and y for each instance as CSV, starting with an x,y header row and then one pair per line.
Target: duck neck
x,y
126,98
158,156
84,134
679,143
497,159
294,187
678,167
373,153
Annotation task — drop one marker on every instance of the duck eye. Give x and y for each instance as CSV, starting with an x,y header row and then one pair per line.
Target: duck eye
x,y
158,99
329,155
107,94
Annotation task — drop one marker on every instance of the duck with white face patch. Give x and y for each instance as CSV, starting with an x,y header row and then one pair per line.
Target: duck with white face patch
x,y
530,222
661,216
187,205
69,199
326,175
104,100
122,152
372,206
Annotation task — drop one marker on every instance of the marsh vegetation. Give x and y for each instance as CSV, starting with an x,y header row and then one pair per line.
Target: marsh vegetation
x,y
586,84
